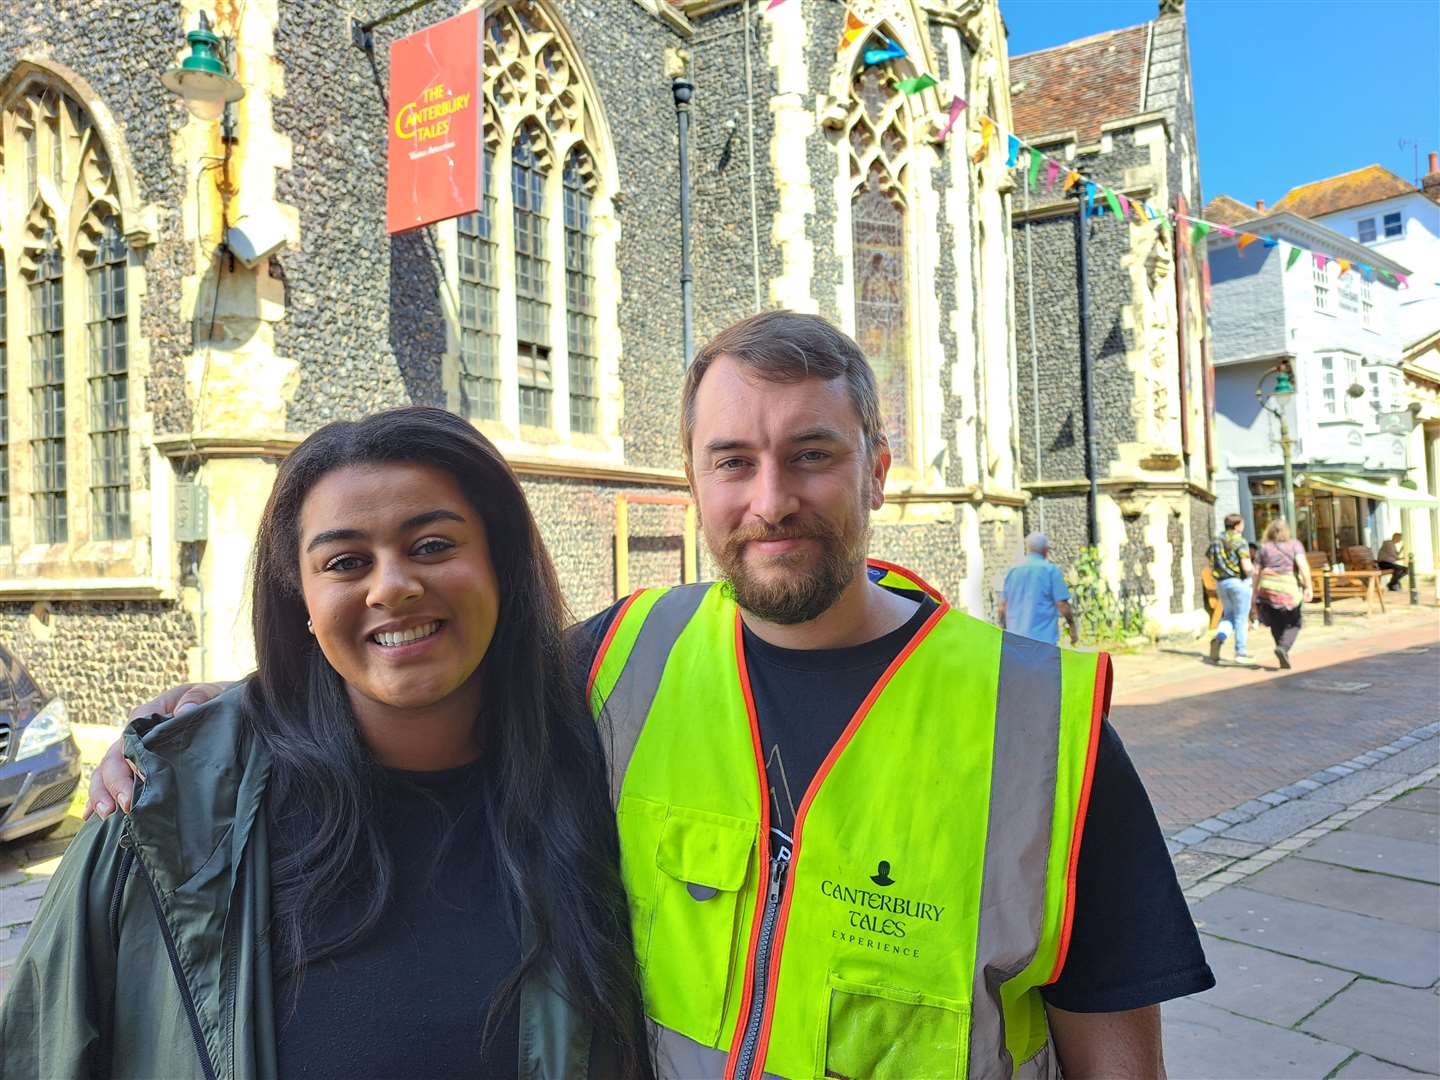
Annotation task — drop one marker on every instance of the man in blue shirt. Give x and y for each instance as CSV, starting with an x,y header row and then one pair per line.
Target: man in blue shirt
x,y
1036,597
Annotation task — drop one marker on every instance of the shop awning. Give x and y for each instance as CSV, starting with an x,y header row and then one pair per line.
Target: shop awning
x,y
1394,494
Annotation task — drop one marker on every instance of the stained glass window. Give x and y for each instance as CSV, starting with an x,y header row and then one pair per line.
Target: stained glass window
x,y
479,294
47,392
580,300
532,270
109,386
881,326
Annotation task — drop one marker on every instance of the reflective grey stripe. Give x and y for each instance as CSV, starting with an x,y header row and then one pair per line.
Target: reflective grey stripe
x,y
680,1058
1017,840
1040,1067
629,702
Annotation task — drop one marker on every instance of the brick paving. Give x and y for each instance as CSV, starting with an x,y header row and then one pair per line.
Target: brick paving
x,y
1206,739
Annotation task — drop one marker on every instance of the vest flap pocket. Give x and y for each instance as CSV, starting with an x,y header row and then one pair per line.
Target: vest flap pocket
x,y
706,849
882,1032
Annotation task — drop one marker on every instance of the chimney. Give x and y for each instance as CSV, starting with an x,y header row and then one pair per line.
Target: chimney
x,y
1430,185
1260,205
1434,162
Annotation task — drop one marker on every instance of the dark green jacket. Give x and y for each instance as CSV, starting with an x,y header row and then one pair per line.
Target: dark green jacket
x,y
149,956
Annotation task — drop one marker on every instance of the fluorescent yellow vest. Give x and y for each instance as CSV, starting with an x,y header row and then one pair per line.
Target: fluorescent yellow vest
x,y
928,891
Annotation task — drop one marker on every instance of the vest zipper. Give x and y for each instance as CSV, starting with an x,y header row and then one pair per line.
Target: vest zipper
x,y
190,1011
760,972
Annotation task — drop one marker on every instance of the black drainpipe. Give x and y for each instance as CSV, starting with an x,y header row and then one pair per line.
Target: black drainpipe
x,y
1087,374
683,91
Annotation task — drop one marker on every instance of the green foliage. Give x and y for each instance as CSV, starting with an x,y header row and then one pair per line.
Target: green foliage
x,y
1103,616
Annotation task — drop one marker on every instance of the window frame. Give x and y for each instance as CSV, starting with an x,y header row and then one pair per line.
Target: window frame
x,y
1398,218
1362,226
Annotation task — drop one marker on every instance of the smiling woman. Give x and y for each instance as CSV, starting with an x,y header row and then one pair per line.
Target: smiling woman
x,y
409,788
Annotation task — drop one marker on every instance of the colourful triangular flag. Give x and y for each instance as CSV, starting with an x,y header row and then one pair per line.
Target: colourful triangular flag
x,y
891,51
1014,152
1035,158
1071,180
1114,204
915,85
1270,241
1246,239
1344,265
1089,195
1124,205
1051,172
1320,261
1198,232
1149,211
854,27
1366,270
1225,231
1404,281
987,132
773,5
1387,277
957,106
1294,258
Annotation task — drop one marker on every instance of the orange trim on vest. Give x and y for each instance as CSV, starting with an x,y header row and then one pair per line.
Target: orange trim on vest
x,y
762,864
908,575
1104,678
762,1047
605,644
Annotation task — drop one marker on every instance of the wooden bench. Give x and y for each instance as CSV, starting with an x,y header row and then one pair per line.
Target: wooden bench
x,y
1349,583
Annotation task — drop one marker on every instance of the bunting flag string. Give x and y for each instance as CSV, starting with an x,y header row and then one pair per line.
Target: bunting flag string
x,y
1033,159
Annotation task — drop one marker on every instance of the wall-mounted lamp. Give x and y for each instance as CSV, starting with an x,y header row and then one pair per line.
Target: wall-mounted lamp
x,y
203,80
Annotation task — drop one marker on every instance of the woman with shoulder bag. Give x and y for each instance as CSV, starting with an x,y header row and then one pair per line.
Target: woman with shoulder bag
x,y
1282,585
389,851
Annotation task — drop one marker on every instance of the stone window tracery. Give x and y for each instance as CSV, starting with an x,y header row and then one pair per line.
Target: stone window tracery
x,y
73,259
555,267
877,134
479,303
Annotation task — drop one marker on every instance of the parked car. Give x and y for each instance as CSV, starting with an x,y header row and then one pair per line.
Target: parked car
x,y
39,760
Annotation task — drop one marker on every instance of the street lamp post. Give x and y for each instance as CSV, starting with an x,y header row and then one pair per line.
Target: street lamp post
x,y
1284,387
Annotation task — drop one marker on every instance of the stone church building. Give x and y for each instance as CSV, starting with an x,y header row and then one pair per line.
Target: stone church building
x,y
150,381
1117,107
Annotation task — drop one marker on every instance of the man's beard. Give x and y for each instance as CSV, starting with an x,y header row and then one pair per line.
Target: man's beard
x,y
791,595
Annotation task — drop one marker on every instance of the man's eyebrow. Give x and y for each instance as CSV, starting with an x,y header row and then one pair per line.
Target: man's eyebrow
x,y
817,434
429,516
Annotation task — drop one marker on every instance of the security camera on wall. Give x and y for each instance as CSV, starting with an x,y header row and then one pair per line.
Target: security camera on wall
x,y
255,237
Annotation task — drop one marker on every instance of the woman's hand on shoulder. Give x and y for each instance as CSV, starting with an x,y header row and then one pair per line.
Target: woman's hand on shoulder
x,y
112,784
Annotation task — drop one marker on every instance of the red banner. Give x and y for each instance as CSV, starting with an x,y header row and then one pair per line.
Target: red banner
x,y
435,137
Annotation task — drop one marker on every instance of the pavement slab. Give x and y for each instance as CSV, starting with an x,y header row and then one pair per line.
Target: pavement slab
x,y
1365,1067
1264,985
1425,799
1203,1042
1357,785
1358,943
1415,759
1410,903
1379,854
1192,865
1237,849
1390,1022
1284,820
1401,824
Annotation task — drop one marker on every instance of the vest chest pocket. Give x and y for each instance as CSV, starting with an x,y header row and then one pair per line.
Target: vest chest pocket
x,y
702,860
885,1033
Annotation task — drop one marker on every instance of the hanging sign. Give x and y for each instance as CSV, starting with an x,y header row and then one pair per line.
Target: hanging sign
x,y
435,137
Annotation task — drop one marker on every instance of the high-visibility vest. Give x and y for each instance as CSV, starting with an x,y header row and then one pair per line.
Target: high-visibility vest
x,y
928,888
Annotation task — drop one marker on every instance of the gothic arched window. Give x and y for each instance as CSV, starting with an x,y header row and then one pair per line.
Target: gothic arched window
x,y
47,390
580,296
532,280
479,301
109,384
877,134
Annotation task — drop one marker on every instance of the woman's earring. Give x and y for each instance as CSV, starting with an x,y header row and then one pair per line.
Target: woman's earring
x,y
309,625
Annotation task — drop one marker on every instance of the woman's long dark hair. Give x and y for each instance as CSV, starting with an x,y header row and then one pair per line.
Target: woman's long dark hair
x,y
546,792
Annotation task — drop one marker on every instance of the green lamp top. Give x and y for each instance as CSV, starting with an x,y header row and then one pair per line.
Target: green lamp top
x,y
203,45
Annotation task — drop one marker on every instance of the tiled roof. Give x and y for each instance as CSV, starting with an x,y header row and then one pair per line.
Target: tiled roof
x,y
1081,84
1223,210
1360,187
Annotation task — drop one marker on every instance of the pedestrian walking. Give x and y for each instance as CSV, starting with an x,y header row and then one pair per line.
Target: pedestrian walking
x,y
1391,557
1035,597
1229,556
1282,586
850,816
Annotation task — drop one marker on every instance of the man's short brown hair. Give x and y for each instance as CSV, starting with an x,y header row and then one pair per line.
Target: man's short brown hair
x,y
1233,521
785,347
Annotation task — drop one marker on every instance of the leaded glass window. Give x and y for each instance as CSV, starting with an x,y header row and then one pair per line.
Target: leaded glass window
x,y
47,392
878,142
109,386
532,271
881,327
4,406
580,300
479,296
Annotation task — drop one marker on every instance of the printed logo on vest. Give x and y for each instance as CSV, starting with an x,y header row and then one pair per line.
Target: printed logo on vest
x,y
882,921
876,572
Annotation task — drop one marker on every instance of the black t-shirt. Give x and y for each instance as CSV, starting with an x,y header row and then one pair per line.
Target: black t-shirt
x,y
412,998
1132,943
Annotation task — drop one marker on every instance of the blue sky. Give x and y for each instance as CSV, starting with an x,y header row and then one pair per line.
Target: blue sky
x,y
1286,91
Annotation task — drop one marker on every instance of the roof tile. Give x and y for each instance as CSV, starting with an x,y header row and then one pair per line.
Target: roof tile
x,y
1359,187
1080,85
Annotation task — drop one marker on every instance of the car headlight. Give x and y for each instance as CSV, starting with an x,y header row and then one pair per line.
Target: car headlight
x,y
46,728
